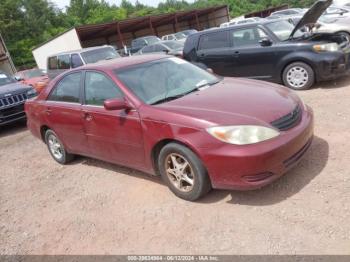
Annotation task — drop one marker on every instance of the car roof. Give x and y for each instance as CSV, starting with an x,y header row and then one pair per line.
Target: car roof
x,y
81,50
238,26
123,62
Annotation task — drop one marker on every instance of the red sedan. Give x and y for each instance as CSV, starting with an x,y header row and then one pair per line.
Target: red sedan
x,y
36,78
165,116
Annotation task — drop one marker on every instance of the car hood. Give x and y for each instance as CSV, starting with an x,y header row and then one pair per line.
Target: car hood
x,y
236,101
13,89
312,15
34,80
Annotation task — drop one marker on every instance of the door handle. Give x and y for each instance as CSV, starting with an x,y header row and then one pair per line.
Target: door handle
x,y
236,54
88,117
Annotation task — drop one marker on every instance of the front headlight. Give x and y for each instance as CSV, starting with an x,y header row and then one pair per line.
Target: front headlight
x,y
31,93
331,47
242,135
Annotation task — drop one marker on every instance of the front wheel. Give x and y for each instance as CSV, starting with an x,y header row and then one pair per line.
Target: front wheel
x,y
298,76
56,148
183,172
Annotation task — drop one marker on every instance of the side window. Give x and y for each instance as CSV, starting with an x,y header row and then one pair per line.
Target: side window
x,y
247,37
63,62
214,40
76,61
68,89
159,48
147,49
53,62
98,88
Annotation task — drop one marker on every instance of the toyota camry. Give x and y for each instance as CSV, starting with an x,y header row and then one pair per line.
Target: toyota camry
x,y
167,117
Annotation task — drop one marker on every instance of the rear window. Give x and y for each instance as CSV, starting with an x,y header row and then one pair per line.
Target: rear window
x,y
99,54
64,62
214,40
53,62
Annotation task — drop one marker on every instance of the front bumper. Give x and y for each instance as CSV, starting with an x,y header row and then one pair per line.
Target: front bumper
x,y
12,114
333,67
254,166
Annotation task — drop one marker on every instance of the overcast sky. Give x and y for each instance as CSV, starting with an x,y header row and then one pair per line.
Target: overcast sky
x,y
63,3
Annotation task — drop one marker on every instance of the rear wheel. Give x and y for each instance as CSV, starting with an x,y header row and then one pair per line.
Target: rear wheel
x,y
298,76
183,172
56,148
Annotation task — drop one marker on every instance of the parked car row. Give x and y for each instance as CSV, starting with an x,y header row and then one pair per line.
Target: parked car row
x,y
166,116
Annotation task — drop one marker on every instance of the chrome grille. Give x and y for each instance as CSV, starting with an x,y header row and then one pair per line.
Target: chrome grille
x,y
288,121
13,100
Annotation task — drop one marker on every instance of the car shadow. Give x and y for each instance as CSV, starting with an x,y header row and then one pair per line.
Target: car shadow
x,y
12,129
288,185
338,83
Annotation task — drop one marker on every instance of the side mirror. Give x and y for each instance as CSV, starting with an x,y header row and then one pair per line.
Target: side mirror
x,y
116,104
166,51
18,78
265,42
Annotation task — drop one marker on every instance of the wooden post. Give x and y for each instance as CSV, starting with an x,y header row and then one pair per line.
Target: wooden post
x,y
120,36
151,26
176,24
197,21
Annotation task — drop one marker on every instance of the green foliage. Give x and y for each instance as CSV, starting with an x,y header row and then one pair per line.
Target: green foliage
x,y
25,24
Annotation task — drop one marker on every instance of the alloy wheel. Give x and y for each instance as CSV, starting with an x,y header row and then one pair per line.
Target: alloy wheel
x,y
55,147
179,172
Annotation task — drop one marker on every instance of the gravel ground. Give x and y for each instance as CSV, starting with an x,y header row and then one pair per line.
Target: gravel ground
x,y
92,207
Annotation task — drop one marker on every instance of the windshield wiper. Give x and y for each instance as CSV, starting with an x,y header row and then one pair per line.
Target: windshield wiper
x,y
197,88
169,98
166,99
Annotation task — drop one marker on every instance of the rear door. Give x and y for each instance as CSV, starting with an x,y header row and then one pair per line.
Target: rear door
x,y
214,50
115,135
63,113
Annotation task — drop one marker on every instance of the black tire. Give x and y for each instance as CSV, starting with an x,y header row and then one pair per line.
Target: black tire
x,y
65,156
307,76
201,181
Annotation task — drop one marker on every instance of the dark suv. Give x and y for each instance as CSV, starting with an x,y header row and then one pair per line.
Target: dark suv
x,y
13,95
273,50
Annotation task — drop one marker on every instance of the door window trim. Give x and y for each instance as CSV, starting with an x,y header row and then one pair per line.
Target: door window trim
x,y
59,81
82,95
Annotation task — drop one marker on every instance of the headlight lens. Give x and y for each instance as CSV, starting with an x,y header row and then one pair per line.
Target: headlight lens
x,y
242,135
31,93
331,47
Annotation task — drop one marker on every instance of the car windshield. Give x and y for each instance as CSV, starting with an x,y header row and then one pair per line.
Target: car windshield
x,y
165,79
34,73
282,29
188,32
174,45
99,54
5,79
327,20
180,36
152,39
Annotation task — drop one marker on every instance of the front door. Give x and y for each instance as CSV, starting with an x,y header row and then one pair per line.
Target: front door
x,y
252,59
115,135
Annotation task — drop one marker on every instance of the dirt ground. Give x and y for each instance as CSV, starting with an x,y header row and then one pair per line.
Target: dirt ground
x,y
92,207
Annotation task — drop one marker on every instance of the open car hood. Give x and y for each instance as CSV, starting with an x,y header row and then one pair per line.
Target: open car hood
x,y
312,15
